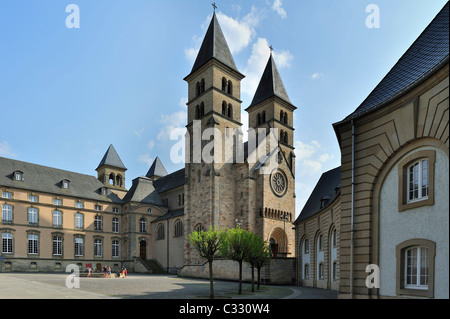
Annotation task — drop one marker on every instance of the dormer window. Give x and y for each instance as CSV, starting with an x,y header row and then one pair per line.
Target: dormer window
x,y
65,183
104,191
18,176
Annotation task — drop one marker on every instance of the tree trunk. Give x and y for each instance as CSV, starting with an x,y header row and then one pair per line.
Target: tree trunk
x,y
211,281
253,278
259,277
240,278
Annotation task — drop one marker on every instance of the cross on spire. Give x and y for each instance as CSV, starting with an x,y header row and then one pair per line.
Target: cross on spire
x,y
214,6
271,49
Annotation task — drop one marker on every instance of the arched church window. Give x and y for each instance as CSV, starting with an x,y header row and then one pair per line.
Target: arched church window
x,y
230,88
202,109
230,111
202,86
143,225
224,108
160,231
111,179
258,119
224,84
197,89
263,116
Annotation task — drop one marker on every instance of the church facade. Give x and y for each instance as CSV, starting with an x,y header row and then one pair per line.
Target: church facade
x,y
52,218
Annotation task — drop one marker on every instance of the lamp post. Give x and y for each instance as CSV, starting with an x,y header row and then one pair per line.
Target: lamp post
x,y
284,217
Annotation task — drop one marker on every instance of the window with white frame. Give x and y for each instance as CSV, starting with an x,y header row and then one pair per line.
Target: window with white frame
x,y
57,245
7,213
115,225
32,198
115,248
79,221
57,202
306,272
32,244
417,181
306,246
7,243
143,225
98,248
79,247
416,268
32,216
7,195
79,205
98,222
57,218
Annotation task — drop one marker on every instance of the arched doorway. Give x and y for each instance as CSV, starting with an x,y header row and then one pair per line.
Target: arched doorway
x,y
143,249
278,242
273,247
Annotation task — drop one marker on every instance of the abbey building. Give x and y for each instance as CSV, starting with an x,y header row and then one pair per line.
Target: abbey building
x,y
51,217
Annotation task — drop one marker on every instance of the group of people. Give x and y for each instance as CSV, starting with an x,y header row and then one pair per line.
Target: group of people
x,y
107,273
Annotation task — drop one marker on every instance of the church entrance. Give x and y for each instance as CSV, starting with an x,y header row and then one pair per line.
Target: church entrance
x,y
273,247
143,249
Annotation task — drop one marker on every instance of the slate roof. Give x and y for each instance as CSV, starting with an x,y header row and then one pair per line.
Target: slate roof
x,y
270,85
143,191
157,169
171,181
171,214
421,60
48,180
111,158
326,189
214,46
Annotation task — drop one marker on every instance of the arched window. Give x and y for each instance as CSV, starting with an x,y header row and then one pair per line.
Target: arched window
x,y
143,225
202,86
258,119
224,108
224,84
306,246
178,227
263,116
286,140
199,228
202,109
306,271
111,179
282,136
230,88
160,231
230,111
285,120
119,180
197,89
197,112
281,116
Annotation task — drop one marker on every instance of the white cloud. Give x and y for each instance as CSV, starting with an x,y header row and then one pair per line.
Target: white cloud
x,y
238,33
6,150
278,7
310,158
145,158
257,62
316,76
171,122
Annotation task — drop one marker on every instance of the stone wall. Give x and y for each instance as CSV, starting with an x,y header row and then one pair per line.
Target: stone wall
x,y
279,272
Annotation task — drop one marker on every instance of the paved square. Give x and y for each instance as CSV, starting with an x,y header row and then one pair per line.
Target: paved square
x,y
53,286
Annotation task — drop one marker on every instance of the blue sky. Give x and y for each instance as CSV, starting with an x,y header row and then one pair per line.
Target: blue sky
x,y
67,94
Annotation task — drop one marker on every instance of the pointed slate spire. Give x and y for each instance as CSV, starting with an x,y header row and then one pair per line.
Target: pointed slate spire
x,y
157,169
214,46
111,158
270,85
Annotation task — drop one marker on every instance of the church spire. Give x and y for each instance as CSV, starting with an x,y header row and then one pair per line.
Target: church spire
x,y
214,46
270,84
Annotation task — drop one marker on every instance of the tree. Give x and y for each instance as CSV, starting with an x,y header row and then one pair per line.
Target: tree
x,y
207,244
257,256
235,246
262,259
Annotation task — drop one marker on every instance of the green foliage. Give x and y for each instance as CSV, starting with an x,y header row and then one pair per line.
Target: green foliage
x,y
207,243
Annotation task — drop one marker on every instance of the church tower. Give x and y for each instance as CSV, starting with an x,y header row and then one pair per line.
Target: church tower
x,y
272,108
111,171
214,114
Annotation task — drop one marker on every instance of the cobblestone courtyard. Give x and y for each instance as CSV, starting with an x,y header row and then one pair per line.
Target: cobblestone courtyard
x,y
53,286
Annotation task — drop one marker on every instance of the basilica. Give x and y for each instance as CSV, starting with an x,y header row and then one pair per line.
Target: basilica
x,y
52,218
